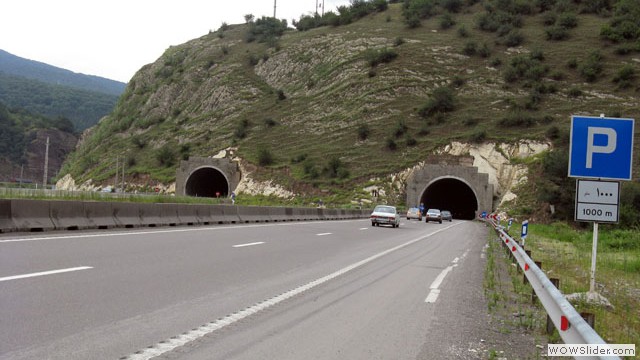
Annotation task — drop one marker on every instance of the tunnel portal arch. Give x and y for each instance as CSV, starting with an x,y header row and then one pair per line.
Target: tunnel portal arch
x,y
453,194
204,177
207,182
458,188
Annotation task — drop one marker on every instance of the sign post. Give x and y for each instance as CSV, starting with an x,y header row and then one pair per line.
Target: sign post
x,y
600,148
525,231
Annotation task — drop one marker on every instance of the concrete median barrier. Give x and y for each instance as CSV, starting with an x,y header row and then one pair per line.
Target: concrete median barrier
x,y
100,215
280,213
31,215
68,215
127,214
188,214
218,215
249,214
170,214
6,222
43,215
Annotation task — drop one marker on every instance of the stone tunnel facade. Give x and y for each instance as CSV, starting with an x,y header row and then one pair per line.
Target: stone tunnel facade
x,y
452,187
207,177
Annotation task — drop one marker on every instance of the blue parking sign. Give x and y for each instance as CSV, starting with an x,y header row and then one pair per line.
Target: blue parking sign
x,y
601,148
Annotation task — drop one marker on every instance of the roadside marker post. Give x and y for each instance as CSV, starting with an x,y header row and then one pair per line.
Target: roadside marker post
x,y
600,149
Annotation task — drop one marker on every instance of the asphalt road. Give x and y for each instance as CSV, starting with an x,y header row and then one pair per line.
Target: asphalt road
x,y
316,290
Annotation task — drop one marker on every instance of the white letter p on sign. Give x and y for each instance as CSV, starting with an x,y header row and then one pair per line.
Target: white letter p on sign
x,y
592,148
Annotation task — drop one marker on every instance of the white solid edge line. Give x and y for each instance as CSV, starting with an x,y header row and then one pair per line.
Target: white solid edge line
x,y
249,244
172,344
433,296
44,273
146,232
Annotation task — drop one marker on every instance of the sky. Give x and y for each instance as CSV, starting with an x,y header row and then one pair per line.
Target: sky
x,y
115,38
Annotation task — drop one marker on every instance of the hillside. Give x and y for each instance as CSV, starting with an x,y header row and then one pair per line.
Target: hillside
x,y
53,92
335,108
23,138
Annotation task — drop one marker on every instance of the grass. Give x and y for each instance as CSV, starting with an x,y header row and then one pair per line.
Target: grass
x,y
565,253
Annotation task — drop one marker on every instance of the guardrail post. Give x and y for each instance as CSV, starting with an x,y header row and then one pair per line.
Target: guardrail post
x,y
550,326
524,277
589,318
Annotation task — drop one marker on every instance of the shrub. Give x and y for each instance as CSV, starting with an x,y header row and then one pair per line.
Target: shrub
x,y
453,6
513,38
411,141
281,95
400,129
462,31
446,21
568,20
310,169
556,33
299,158
166,156
478,137
624,77
265,157
517,119
574,92
269,122
335,168
470,48
549,19
398,41
484,51
391,144
363,132
592,67
442,100
376,57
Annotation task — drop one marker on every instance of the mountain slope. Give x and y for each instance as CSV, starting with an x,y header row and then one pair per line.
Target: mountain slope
x,y
17,66
342,105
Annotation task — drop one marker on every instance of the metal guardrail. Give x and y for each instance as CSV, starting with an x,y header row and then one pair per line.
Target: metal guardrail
x,y
573,329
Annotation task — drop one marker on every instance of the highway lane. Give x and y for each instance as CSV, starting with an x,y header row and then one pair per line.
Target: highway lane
x,y
144,286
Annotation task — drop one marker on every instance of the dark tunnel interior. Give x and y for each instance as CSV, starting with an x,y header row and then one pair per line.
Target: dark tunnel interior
x,y
207,182
453,195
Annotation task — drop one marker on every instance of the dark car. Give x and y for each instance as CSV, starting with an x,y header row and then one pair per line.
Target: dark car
x,y
433,215
446,215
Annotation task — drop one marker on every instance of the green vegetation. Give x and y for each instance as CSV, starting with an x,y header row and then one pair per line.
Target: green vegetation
x,y
82,107
565,253
16,127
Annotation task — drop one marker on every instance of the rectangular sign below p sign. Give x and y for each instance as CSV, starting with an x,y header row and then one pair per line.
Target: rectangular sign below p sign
x,y
601,148
597,201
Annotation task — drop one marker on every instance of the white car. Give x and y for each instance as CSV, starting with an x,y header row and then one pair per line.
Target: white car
x,y
386,215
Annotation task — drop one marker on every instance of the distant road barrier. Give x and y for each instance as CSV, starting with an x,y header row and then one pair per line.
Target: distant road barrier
x,y
45,215
573,329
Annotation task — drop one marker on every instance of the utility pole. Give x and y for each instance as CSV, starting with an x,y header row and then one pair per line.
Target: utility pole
x,y
316,8
46,165
123,175
274,8
115,185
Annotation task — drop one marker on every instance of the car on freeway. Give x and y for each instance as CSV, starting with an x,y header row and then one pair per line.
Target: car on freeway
x,y
433,215
414,213
446,215
385,215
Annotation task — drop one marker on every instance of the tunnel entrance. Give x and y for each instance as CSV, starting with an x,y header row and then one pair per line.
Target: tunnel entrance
x,y
207,182
453,195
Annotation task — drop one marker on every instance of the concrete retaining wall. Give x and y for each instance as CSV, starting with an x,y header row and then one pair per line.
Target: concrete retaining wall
x,y
43,215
